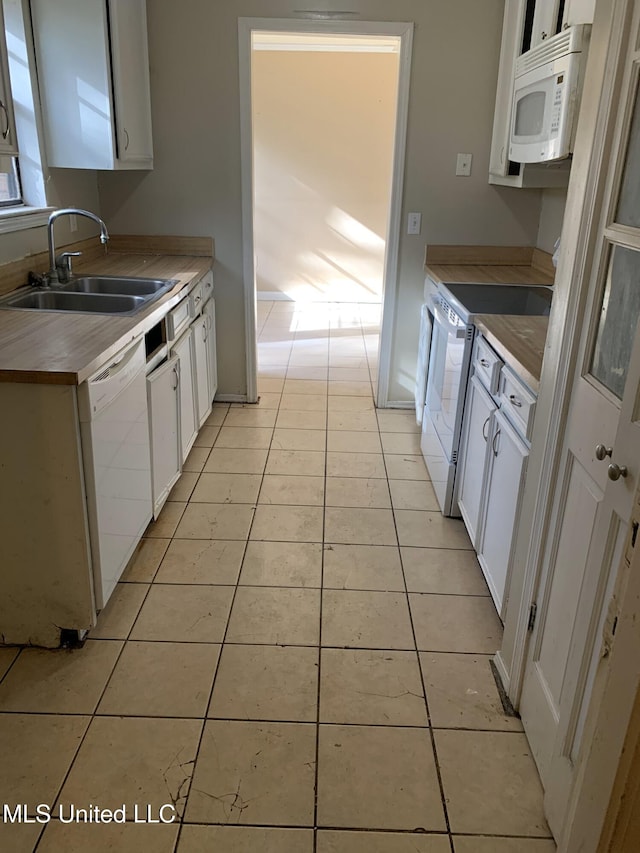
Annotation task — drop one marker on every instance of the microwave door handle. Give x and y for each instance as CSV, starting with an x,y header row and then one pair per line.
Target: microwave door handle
x,y
442,320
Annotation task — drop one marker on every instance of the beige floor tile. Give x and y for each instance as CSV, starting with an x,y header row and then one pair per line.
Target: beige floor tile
x,y
7,657
305,386
345,441
308,371
304,402
374,688
455,623
397,421
443,570
133,760
184,614
161,680
117,618
355,465
205,561
350,389
20,837
292,490
253,417
60,681
431,530
358,421
462,693
334,841
123,838
244,839
282,564
357,492
308,463
287,523
215,521
378,778
373,567
183,488
267,400
270,384
491,783
359,526
349,374
266,683
196,459
144,564
369,620
223,460
405,467
256,438
299,439
342,403
227,488
260,773
206,436
401,442
218,414
413,494
301,420
32,771
276,616
479,844
165,525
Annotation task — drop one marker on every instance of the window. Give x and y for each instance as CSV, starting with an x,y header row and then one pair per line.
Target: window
x,y
10,191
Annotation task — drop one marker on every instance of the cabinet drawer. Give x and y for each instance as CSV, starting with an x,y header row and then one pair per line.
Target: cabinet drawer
x,y
201,293
487,365
178,319
518,402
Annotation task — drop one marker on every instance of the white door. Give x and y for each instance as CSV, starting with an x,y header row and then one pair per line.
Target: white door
x,y
164,429
188,424
598,473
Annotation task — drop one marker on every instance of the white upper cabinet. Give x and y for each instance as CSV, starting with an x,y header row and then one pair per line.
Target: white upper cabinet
x,y
8,140
545,20
578,12
93,74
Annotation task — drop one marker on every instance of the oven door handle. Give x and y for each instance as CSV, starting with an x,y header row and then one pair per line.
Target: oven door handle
x,y
442,320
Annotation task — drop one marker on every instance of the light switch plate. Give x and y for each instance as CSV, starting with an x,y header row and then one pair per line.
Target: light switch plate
x,y
414,224
463,165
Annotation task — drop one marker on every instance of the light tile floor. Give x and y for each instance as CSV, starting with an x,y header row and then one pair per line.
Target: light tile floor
x,y
298,657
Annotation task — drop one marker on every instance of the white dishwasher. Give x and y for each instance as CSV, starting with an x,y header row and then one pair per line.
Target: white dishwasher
x,y
115,448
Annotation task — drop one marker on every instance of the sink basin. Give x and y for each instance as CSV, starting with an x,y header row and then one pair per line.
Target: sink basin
x,y
111,284
59,300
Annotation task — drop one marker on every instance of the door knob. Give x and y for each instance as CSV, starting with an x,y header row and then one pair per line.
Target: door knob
x,y
602,452
616,471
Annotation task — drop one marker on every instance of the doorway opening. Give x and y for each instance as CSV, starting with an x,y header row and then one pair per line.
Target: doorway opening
x,y
323,108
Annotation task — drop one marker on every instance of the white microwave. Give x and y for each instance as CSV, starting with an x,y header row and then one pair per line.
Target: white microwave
x,y
546,97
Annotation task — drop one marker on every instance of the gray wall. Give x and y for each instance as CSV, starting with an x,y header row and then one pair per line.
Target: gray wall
x,y
195,186
551,217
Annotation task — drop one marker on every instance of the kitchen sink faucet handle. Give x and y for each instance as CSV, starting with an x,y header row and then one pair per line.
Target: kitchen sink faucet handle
x,y
63,265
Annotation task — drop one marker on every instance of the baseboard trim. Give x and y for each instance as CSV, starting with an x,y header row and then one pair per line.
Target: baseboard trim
x,y
230,398
398,404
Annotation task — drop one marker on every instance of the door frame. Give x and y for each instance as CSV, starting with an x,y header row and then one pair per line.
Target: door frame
x,y
404,30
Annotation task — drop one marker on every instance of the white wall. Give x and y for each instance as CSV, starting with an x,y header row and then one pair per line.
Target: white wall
x,y
323,137
195,186
551,217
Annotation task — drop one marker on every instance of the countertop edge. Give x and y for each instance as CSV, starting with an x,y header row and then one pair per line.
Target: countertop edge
x,y
530,373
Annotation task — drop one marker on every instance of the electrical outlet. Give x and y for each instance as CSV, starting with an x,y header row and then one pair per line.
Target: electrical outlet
x,y
463,165
414,223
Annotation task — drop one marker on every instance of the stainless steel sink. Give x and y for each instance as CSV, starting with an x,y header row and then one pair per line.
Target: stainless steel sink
x,y
59,300
92,294
118,285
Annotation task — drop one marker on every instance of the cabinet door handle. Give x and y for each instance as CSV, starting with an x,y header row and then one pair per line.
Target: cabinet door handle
x,y
515,401
493,443
4,109
126,133
204,331
176,377
484,426
485,363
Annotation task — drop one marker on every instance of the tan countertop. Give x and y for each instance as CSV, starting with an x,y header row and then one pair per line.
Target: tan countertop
x,y
487,274
66,348
519,341
489,265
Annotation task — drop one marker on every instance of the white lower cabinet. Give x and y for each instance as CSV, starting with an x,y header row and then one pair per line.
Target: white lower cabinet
x,y
507,458
202,365
184,349
480,407
209,312
163,397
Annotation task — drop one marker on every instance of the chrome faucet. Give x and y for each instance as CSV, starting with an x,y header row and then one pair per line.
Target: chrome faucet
x,y
60,265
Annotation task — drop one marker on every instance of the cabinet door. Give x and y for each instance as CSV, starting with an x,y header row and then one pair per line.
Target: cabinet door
x,y
130,71
188,423
209,312
164,428
8,140
505,477
578,12
475,446
545,21
203,400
